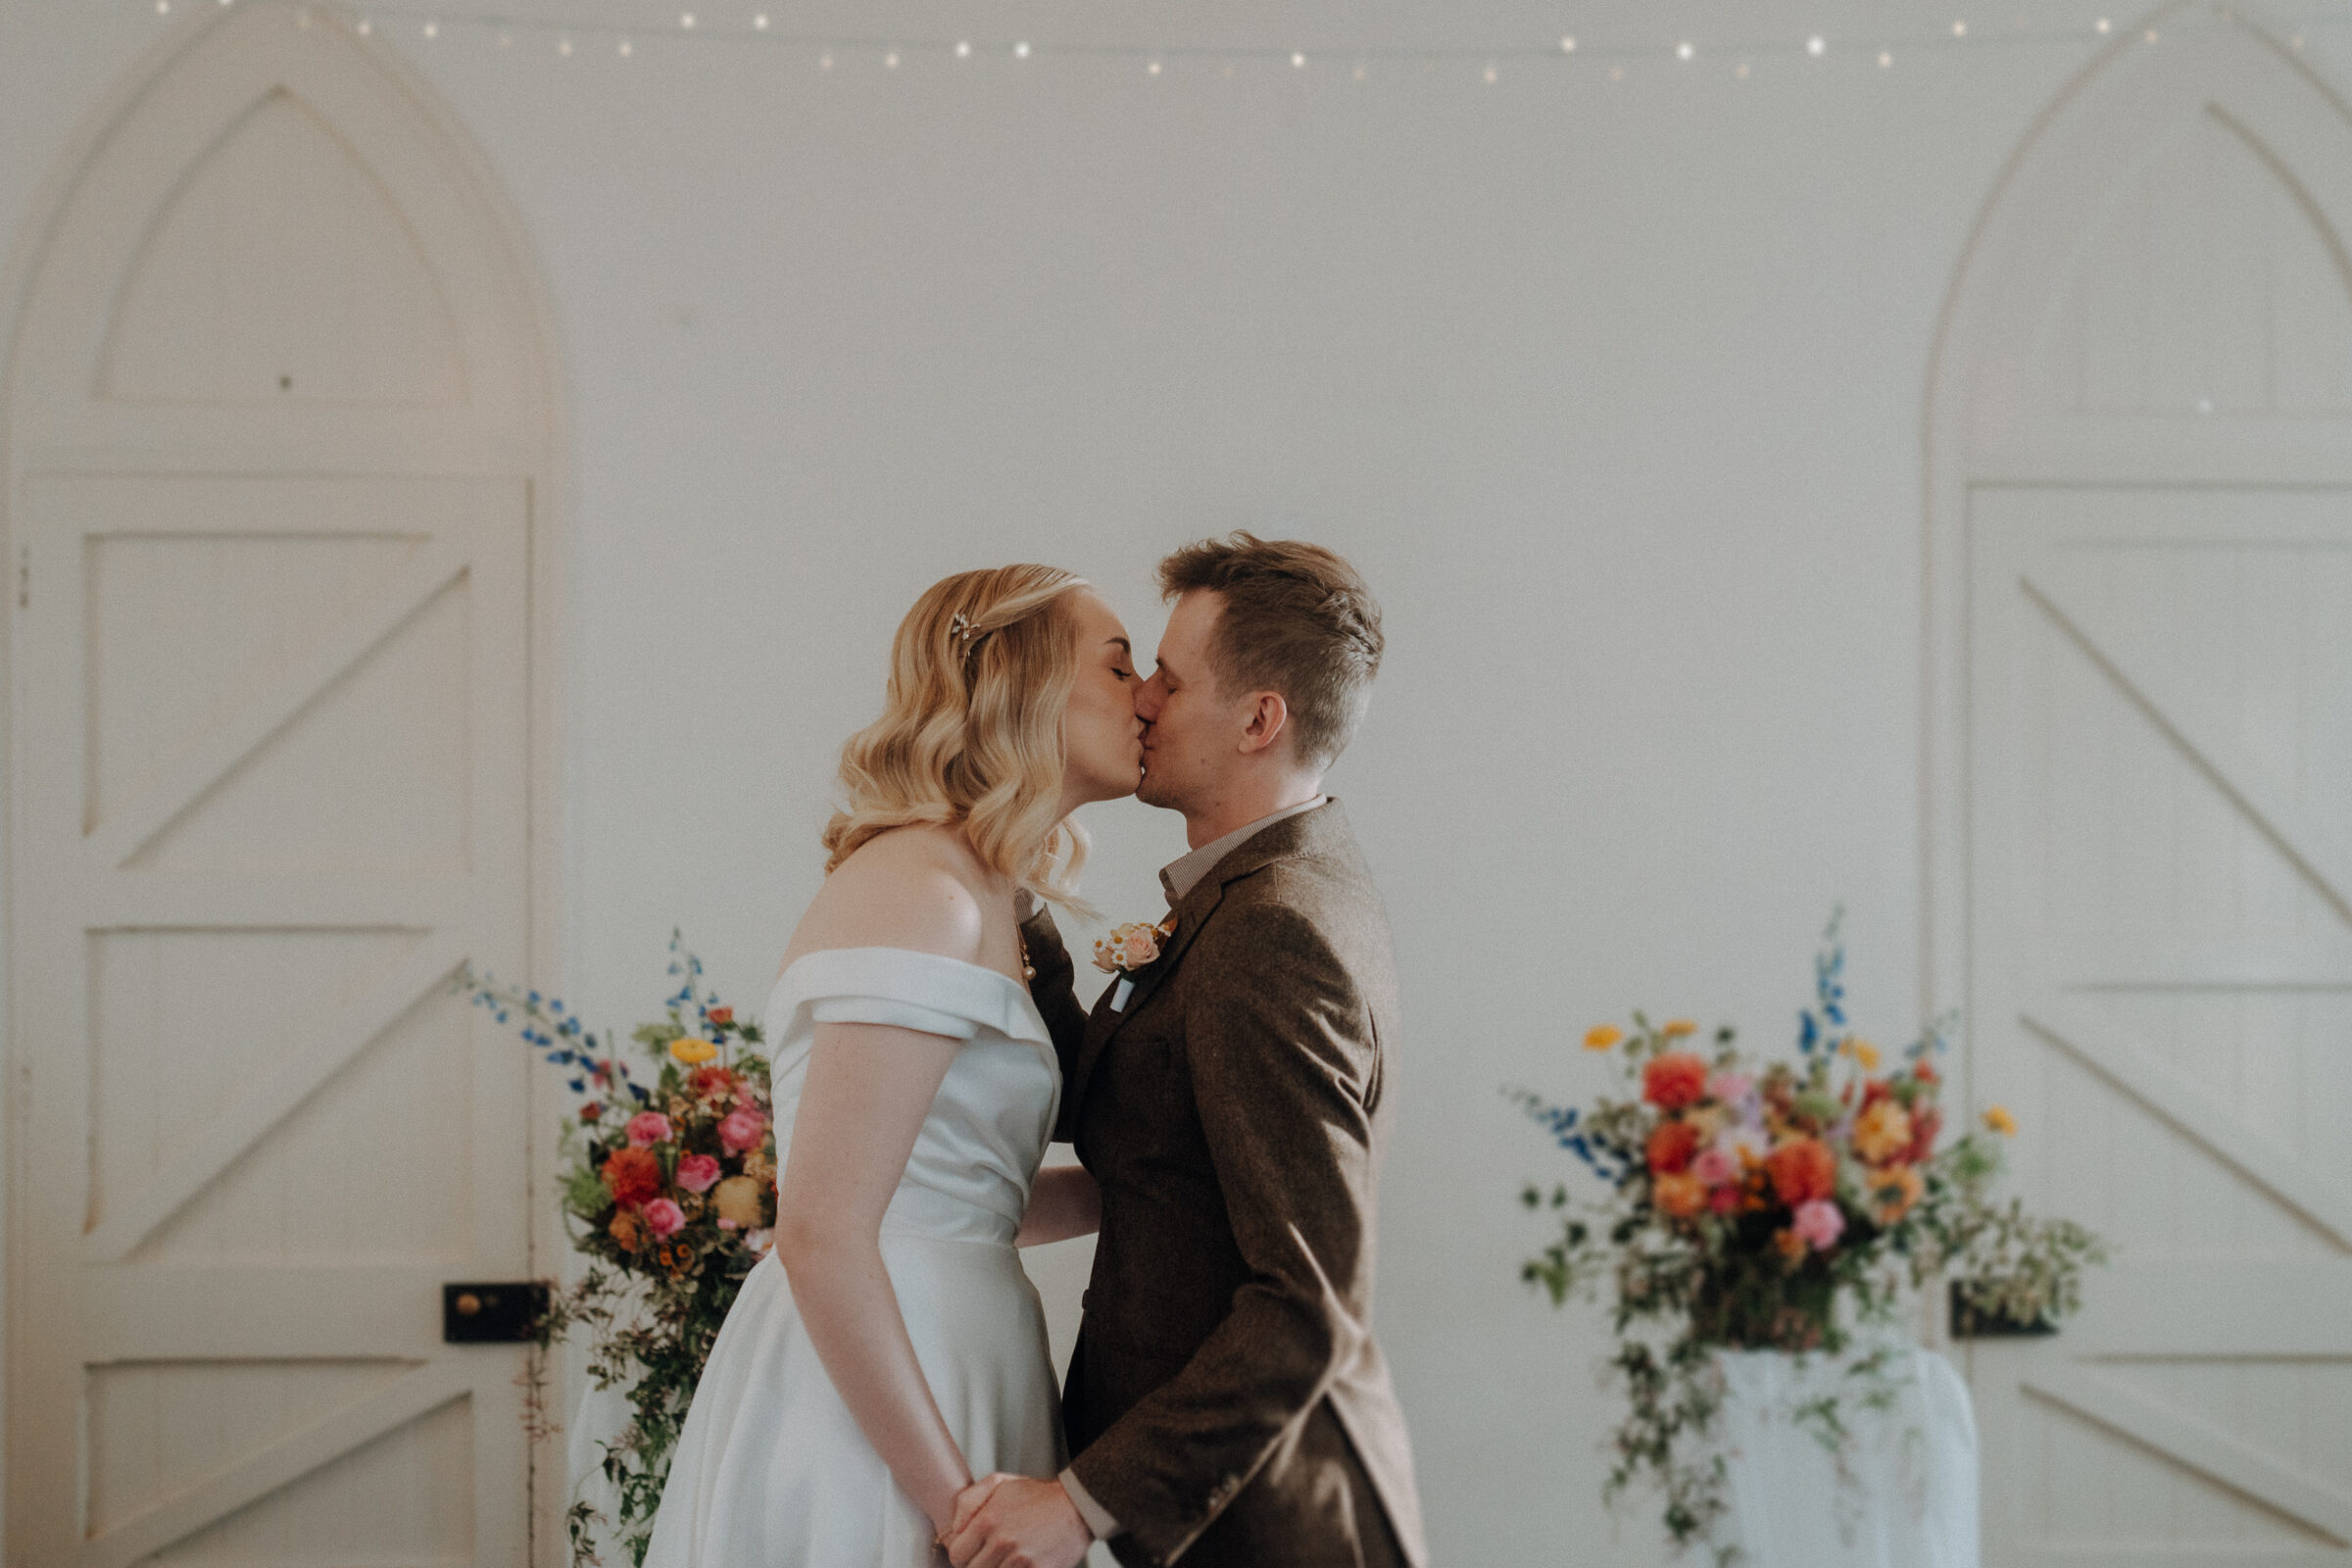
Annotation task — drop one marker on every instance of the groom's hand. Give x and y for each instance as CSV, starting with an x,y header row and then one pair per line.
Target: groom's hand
x,y
1019,1522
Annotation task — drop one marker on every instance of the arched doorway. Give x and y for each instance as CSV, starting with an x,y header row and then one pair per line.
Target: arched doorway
x,y
2140,789
280,433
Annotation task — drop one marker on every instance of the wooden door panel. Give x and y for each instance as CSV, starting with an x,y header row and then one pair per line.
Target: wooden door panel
x,y
271,1129
281,424
2163,948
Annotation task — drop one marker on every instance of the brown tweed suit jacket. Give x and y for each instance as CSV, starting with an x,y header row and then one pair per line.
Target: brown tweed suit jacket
x,y
1226,1401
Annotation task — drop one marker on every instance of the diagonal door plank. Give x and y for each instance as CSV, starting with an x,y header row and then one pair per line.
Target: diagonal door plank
x,y
2068,1022
110,842
2199,1445
281,1464
2206,737
273,1099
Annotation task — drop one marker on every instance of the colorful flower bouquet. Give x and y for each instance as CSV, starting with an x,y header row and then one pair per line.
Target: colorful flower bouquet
x,y
669,1189
1775,1207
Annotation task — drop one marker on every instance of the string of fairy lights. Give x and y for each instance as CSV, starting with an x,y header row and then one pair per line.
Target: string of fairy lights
x,y
748,26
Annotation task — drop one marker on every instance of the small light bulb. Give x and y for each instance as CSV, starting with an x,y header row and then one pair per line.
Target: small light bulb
x,y
759,23
1616,73
1567,46
1021,50
433,29
1297,61
1740,71
505,40
2104,25
1684,50
1959,30
1359,72
686,21
1151,70
2296,42
825,62
564,47
1492,76
1885,60
163,8
891,60
2152,36
365,26
626,49
1815,45
963,51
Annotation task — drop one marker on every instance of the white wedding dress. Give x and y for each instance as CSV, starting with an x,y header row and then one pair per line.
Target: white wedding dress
x,y
771,1470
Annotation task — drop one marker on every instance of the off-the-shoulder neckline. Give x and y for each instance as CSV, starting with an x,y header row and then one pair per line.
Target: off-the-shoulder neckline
x,y
912,952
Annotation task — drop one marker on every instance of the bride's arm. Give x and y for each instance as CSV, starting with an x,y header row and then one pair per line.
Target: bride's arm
x,y
1063,1202
867,1091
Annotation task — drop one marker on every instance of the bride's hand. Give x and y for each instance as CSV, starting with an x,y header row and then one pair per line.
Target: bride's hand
x,y
968,1502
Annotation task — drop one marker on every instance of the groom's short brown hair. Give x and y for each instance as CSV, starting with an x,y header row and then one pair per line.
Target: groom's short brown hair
x,y
1297,619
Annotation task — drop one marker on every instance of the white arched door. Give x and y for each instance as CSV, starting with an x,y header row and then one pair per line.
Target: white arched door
x,y
278,424
2141,536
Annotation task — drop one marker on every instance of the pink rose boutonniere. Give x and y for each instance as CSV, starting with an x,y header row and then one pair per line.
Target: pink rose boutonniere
x,y
1129,948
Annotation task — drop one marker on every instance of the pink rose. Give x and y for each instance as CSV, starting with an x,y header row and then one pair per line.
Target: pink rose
x,y
741,1129
1730,1088
1714,1166
698,1173
664,1218
1818,1224
647,1127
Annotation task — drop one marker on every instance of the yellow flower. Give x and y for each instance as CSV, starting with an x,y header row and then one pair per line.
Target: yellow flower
x,y
1997,1119
691,1051
1676,1028
1883,1131
739,1198
1863,1051
1897,1189
1601,1036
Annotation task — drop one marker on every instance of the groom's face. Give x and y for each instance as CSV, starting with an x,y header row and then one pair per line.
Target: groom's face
x,y
1190,728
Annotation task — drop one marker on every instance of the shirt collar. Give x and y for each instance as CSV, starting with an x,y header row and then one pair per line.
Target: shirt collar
x,y
1179,877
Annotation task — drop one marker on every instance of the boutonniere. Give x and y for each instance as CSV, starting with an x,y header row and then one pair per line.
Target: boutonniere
x,y
1128,949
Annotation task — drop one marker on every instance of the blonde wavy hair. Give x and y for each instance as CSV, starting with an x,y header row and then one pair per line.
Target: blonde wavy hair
x,y
972,728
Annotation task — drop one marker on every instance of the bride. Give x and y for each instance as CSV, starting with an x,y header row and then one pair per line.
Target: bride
x,y
889,1349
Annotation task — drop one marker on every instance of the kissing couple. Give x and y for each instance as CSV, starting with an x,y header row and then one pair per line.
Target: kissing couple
x,y
881,1394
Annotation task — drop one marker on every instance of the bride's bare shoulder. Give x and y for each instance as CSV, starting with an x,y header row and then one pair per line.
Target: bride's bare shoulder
x,y
911,887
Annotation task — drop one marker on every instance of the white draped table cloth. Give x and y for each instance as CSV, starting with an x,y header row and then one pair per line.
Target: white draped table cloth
x,y
1909,1497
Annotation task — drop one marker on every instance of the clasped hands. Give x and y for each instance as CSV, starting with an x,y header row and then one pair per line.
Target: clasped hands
x,y
1007,1521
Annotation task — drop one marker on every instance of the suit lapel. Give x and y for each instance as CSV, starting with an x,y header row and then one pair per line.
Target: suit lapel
x,y
1287,837
1103,1023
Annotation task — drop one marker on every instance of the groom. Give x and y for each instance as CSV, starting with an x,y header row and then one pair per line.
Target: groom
x,y
1226,1401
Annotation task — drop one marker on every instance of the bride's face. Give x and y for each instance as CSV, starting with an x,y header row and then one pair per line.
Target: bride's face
x,y
1101,737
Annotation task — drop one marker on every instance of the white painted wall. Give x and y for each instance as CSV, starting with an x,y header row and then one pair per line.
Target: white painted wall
x,y
1613,390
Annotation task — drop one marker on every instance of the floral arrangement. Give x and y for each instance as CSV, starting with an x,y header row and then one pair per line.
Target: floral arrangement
x,y
669,1188
1776,1207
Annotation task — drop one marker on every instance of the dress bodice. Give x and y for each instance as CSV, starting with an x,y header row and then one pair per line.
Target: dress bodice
x,y
969,1176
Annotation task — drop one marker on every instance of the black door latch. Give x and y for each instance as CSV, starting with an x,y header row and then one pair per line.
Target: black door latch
x,y
502,1314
